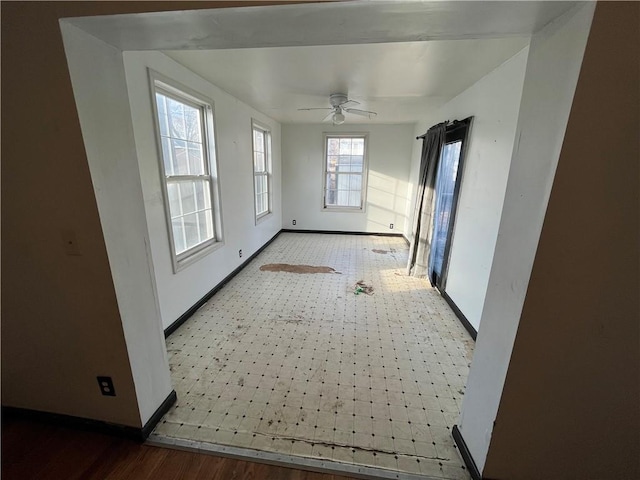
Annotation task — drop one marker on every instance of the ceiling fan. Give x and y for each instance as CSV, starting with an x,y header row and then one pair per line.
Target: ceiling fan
x,y
340,104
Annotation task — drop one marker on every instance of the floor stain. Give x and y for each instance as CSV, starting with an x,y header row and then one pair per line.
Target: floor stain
x,y
241,382
382,252
286,267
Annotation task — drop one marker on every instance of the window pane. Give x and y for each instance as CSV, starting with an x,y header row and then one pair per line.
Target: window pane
x,y
205,225
166,156
176,118
260,207
187,194
178,235
355,182
258,161
196,163
180,163
357,146
354,199
268,152
343,182
191,230
343,197
192,124
356,164
332,182
261,184
258,141
344,159
332,163
162,114
345,146
331,197
265,202
207,194
174,199
203,194
333,147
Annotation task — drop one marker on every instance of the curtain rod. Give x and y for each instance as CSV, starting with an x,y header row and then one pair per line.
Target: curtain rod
x,y
450,126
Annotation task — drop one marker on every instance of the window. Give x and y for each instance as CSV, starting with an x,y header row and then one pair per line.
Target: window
x,y
185,136
344,171
261,170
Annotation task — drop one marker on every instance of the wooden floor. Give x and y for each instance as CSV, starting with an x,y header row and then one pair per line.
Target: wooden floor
x,y
45,452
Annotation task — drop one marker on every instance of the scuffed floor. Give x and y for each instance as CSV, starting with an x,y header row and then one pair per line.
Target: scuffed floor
x,y
294,361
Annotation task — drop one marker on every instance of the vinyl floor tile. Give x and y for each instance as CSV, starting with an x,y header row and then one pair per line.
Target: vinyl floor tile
x,y
300,364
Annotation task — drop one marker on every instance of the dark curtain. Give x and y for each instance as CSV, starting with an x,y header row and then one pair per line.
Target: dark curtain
x,y
420,248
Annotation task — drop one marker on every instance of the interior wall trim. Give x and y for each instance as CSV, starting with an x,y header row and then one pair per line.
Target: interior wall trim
x,y
466,455
134,433
186,315
344,232
465,322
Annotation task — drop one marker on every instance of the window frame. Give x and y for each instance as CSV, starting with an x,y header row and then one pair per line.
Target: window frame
x,y
268,145
365,172
176,91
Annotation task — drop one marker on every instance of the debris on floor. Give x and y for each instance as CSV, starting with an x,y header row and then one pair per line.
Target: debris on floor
x,y
285,267
362,287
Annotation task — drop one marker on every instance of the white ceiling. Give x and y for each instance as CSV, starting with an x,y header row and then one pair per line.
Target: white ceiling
x,y
399,81
398,57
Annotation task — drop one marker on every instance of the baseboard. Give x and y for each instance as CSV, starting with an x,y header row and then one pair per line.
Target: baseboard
x,y
186,315
134,433
466,455
467,325
158,414
343,232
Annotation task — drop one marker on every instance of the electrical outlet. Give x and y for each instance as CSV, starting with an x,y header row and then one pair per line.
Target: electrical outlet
x,y
391,226
293,222
240,253
106,386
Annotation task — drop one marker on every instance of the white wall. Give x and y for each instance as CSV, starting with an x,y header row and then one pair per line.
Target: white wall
x,y
98,78
555,57
389,157
494,102
177,292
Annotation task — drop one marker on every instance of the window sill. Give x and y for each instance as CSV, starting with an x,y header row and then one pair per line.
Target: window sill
x,y
264,217
183,263
343,209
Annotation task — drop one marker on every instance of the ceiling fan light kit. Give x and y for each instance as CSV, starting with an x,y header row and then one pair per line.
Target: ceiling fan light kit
x,y
339,103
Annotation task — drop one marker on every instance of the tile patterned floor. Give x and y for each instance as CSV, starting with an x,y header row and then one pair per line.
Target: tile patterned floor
x,y
299,364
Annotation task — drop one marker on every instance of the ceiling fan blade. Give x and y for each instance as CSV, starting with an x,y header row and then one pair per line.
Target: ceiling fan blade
x,y
349,103
306,109
364,113
328,117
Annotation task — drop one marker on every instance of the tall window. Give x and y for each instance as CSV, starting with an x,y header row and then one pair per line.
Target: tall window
x,y
185,134
261,170
344,171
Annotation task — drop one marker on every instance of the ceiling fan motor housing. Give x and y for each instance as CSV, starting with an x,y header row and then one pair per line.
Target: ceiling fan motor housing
x,y
337,99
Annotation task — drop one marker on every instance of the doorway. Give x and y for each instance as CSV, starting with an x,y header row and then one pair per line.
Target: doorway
x,y
447,190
